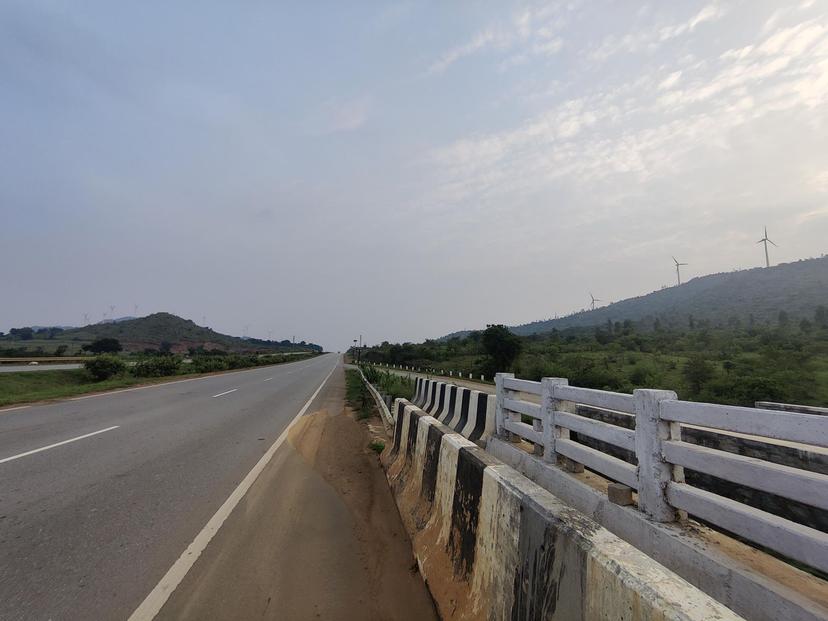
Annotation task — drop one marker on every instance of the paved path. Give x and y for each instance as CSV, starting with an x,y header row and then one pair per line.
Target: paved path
x,y
100,495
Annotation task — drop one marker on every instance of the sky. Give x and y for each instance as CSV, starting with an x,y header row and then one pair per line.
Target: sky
x,y
398,170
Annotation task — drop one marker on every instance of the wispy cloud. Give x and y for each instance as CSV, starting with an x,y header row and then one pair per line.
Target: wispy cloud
x,y
342,115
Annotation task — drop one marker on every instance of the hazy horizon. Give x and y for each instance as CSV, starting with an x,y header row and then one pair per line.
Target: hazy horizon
x,y
404,170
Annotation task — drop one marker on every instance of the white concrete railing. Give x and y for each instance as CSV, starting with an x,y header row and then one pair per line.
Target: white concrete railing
x,y
662,455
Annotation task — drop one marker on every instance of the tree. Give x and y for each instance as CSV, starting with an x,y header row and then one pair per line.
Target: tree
x,y
821,316
697,372
24,334
783,319
104,346
61,349
501,345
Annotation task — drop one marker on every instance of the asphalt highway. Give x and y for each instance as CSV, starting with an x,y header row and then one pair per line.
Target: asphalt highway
x,y
100,495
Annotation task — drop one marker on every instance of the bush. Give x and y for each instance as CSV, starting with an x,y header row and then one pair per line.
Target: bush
x,y
156,367
209,364
104,346
103,367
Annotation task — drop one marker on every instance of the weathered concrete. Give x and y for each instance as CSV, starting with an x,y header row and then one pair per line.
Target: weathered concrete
x,y
744,579
494,545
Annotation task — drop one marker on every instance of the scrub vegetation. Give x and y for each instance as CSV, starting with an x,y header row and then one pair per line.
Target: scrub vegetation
x,y
108,372
736,363
392,384
358,396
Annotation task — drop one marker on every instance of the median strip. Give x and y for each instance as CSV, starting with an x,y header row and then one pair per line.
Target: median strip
x,y
226,392
51,446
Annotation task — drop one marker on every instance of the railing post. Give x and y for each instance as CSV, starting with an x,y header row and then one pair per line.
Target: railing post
x,y
548,406
654,472
500,395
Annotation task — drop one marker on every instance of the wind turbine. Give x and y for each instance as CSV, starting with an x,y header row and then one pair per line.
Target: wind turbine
x,y
112,311
134,310
678,269
86,319
594,300
765,241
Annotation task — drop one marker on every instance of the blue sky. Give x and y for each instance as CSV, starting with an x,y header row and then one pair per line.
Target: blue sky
x,y
400,170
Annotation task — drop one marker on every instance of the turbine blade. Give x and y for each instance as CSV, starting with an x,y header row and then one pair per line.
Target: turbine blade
x,y
773,243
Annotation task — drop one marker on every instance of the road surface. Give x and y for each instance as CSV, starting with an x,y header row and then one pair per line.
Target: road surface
x,y
17,368
100,495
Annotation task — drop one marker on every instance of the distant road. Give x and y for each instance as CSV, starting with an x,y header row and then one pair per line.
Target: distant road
x,y
101,494
16,368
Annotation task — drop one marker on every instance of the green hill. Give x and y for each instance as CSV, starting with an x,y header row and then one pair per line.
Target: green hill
x,y
146,333
756,295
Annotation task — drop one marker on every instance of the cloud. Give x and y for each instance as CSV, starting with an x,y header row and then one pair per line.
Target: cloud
x,y
343,115
480,41
651,38
532,32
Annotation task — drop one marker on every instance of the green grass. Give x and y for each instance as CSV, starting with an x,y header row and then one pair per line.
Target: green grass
x,y
29,386
357,395
377,446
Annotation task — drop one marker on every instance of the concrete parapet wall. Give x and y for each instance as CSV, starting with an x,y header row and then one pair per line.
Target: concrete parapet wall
x,y
492,544
470,413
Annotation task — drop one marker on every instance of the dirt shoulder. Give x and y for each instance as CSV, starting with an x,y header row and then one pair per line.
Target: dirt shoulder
x,y
317,536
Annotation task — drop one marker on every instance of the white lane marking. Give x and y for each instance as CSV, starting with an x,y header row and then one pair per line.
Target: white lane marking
x,y
153,603
268,379
51,446
162,384
226,392
20,407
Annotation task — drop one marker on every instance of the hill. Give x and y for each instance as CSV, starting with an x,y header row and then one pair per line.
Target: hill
x,y
148,332
756,295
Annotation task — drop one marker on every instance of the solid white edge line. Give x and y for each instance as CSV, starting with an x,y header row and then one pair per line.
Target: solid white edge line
x,y
226,392
156,599
51,446
19,407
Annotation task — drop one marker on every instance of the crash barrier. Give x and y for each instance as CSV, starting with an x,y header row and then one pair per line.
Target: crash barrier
x,y
469,412
491,544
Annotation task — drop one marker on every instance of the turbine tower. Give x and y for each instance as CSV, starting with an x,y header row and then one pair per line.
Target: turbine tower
x,y
594,300
765,240
86,319
678,269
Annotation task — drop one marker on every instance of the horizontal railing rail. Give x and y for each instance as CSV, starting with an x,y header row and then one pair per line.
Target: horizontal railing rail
x,y
662,456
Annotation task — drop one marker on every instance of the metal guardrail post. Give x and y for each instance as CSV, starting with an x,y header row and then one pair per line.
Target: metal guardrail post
x,y
654,472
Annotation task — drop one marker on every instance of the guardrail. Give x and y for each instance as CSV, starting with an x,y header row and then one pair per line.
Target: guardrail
x,y
662,456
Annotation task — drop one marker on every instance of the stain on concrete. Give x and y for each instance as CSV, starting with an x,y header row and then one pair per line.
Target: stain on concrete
x,y
465,511
398,427
413,419
431,462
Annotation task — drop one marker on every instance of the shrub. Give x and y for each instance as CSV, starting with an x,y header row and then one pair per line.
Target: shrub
x,y
105,366
103,346
159,366
208,364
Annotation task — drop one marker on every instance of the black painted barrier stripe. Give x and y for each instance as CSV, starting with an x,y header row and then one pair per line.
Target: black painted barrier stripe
x,y
480,422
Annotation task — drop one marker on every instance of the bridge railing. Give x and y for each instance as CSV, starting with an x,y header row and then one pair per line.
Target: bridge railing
x,y
545,413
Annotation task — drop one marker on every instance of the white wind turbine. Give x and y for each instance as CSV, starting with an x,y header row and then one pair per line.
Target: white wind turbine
x,y
765,240
678,269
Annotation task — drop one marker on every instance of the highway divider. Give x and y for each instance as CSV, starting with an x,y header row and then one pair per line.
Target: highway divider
x,y
471,413
492,544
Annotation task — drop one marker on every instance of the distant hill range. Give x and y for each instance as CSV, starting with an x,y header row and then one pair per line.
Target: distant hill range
x,y
152,331
756,295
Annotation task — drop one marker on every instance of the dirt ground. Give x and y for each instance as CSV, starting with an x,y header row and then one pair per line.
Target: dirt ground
x,y
318,536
